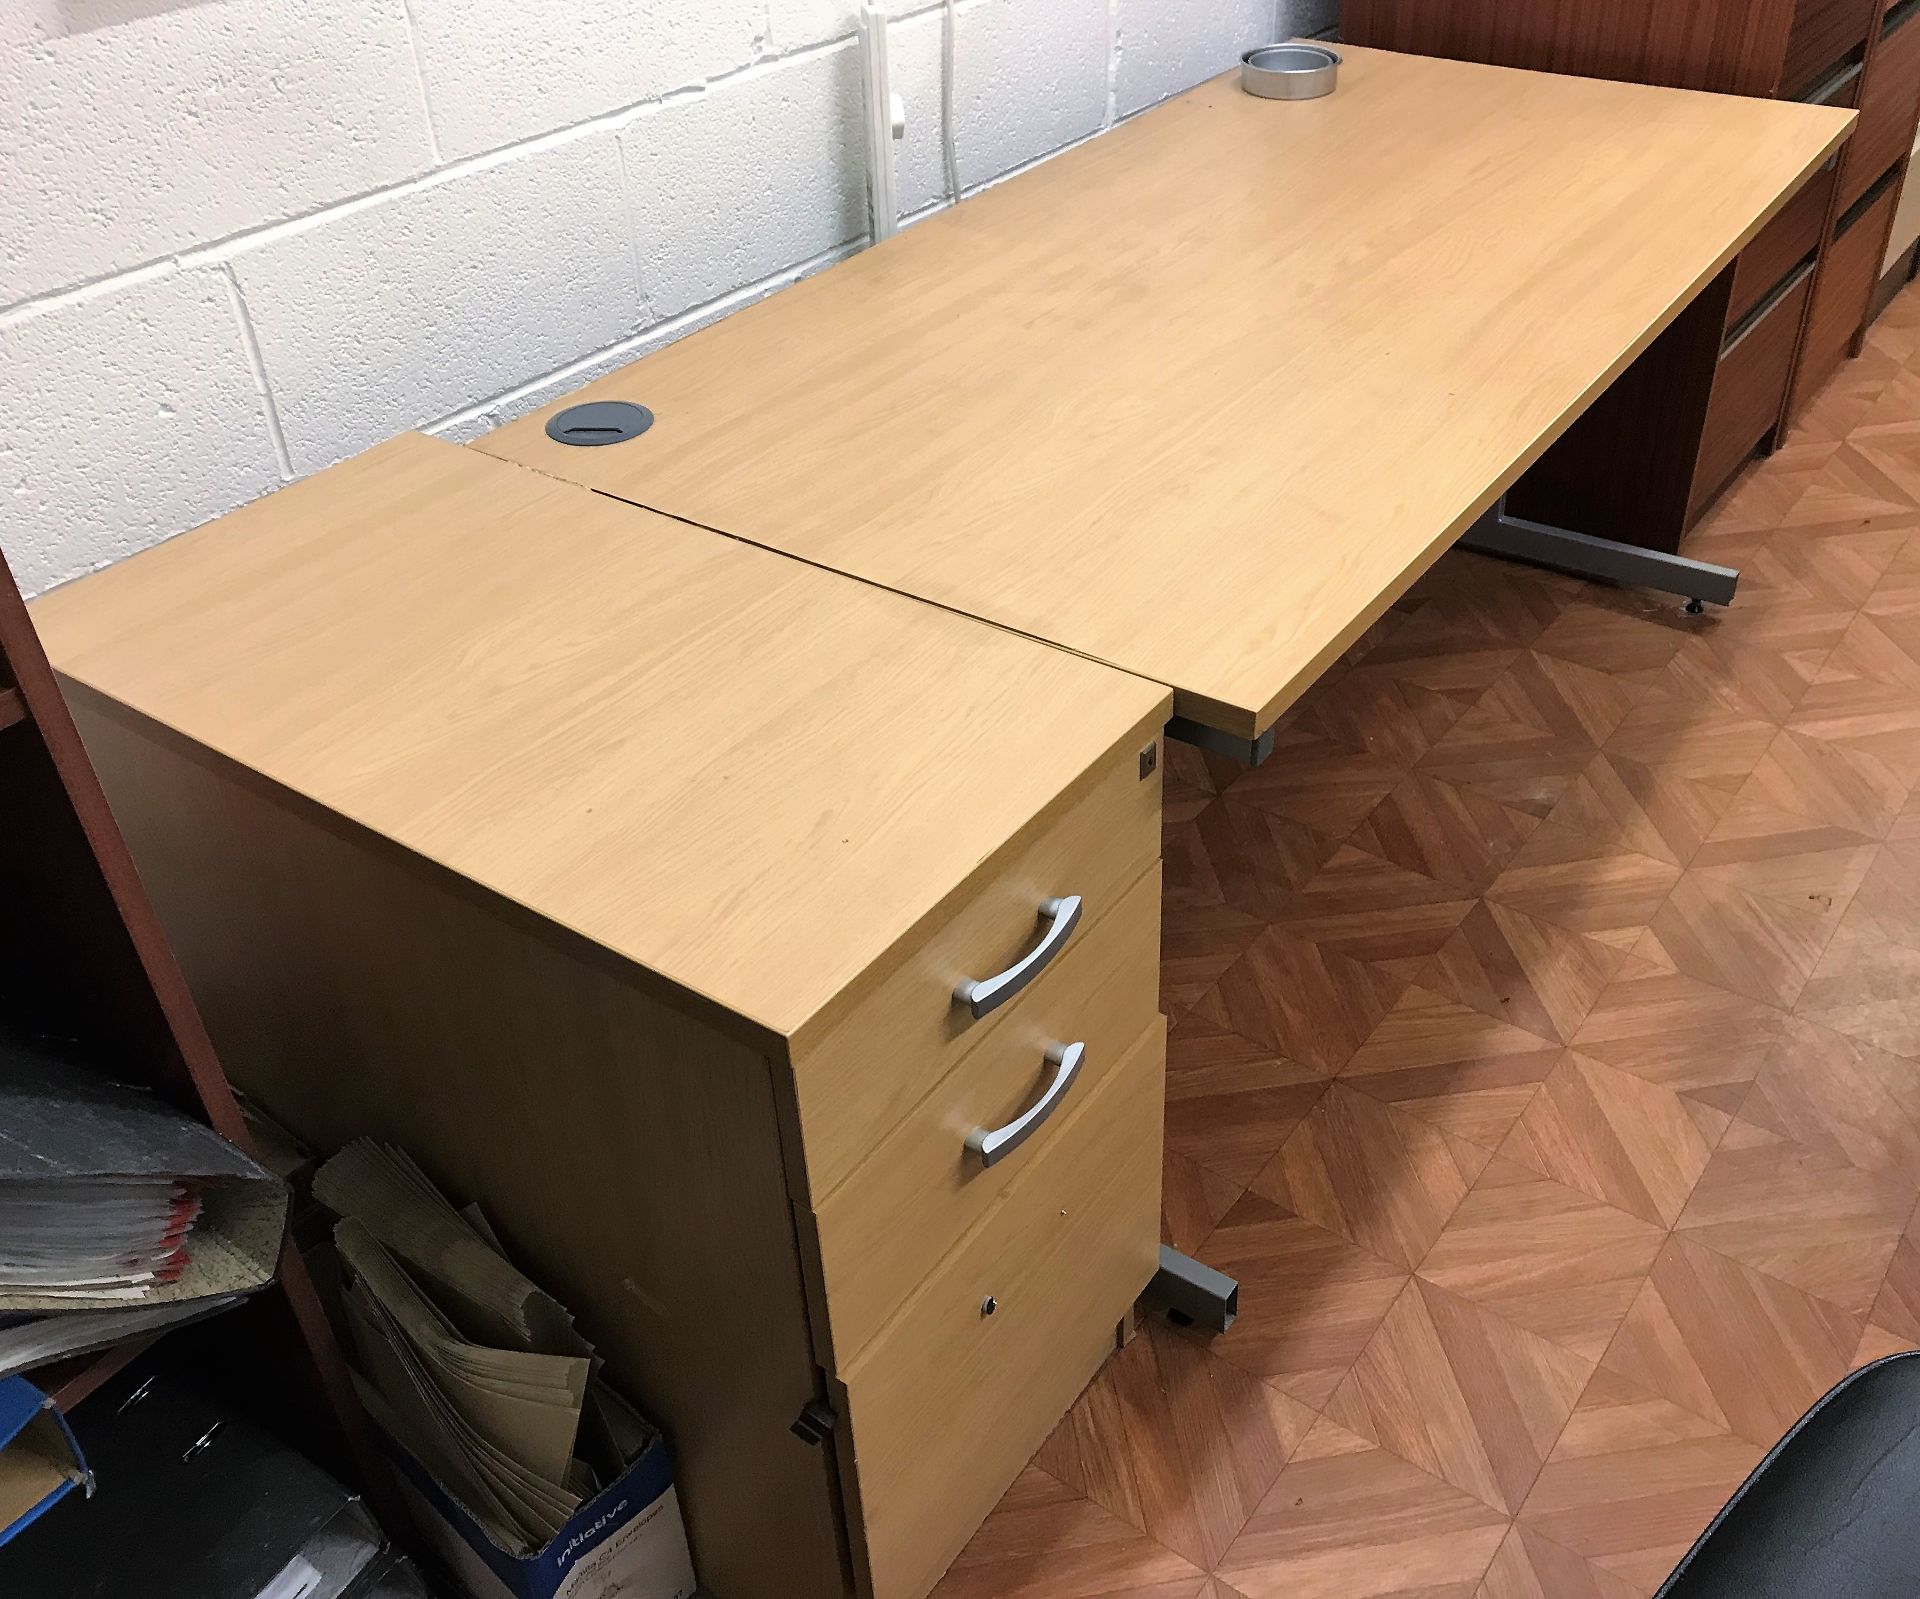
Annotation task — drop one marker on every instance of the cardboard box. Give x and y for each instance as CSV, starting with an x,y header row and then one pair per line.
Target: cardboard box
x,y
40,1463
627,1542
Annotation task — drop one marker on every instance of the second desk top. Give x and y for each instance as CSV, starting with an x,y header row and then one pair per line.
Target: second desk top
x,y
1202,397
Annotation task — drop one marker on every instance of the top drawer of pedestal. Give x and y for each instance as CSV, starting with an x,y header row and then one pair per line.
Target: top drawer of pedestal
x,y
752,778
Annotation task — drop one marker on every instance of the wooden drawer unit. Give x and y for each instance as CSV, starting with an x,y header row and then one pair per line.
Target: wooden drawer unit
x,y
1842,288
945,1407
883,1229
1750,385
1791,238
1889,107
617,869
1823,33
866,1072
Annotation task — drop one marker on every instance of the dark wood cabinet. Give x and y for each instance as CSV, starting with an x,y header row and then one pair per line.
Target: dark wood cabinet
x,y
1726,380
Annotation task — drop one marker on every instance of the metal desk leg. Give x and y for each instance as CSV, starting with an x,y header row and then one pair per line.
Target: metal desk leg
x,y
1581,554
1194,1295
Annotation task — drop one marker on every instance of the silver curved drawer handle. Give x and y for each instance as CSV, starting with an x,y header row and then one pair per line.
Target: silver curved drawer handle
x,y
1061,916
995,1144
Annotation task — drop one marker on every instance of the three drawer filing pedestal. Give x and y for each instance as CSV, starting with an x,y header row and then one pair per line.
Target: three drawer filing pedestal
x,y
626,874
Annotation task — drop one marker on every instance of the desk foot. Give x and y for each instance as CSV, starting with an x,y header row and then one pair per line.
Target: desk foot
x,y
1193,1295
1583,555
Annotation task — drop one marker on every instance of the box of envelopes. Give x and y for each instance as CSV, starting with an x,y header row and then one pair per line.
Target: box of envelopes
x,y
533,1478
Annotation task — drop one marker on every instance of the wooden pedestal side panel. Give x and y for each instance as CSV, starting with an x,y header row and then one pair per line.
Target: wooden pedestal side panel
x,y
629,1156
1734,46
948,1404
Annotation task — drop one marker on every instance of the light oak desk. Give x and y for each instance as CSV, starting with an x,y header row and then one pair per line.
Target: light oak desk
x,y
626,873
1202,397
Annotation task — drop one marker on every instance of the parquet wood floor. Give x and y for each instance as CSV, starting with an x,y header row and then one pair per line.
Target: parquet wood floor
x,y
1545,1064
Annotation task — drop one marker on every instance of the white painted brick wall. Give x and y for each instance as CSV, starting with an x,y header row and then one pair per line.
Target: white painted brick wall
x,y
241,239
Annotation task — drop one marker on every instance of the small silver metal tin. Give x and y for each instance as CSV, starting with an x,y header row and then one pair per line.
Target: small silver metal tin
x,y
1289,71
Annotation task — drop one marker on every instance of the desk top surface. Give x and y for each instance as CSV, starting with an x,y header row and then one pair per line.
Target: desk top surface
x,y
1201,397
749,776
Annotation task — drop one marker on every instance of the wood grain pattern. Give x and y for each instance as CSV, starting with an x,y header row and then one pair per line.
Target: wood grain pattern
x,y
353,996
1462,1393
1449,1064
1064,1255
1545,1257
1519,969
1632,1482
1041,447
1626,1141
1743,1351
1309,1299
919,1192
483,666
1805,1216
1349,1520
1385,1180
1178,1441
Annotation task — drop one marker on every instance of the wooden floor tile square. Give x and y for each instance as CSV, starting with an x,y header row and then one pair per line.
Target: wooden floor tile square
x,y
1242,856
1632,1482
1387,1181
1843,1098
1897,1306
1199,941
1735,1347
1884,648
1231,1102
1378,711
1545,1257
1461,1393
1364,907
1804,1216
1579,881
1687,736
1519,969
1451,835
1193,1199
1841,567
1452,1065
1044,1541
1315,781
1309,1299
1879,721
1173,1439
1886,905
1628,1142
1782,855
1759,946
1531,1566
1698,1039
1537,727
1652,810
1828,782
1349,1520
1301,1000
1604,639
1733,669
1866,987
